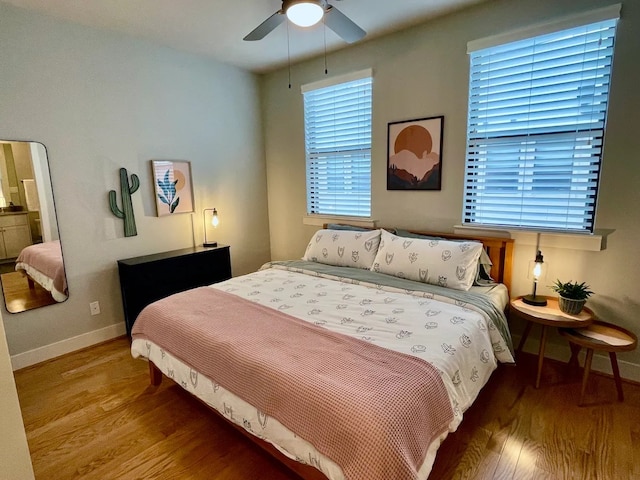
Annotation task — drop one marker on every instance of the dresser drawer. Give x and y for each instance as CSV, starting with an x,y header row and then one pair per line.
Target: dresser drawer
x,y
10,220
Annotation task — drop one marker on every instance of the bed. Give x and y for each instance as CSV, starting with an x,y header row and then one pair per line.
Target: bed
x,y
42,263
381,366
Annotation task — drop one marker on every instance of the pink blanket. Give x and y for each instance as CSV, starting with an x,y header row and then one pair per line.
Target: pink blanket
x,y
371,410
47,259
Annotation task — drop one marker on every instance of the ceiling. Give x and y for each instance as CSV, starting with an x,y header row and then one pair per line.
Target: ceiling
x,y
216,27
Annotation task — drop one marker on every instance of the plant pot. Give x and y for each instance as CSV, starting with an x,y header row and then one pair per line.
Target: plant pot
x,y
570,306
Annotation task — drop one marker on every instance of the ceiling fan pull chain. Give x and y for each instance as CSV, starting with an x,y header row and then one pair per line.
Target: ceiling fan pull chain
x,y
289,55
324,31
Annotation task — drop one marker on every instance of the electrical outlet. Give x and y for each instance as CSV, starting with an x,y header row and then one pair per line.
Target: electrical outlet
x,y
95,308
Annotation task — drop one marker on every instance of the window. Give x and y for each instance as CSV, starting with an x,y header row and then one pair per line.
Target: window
x,y
337,120
537,115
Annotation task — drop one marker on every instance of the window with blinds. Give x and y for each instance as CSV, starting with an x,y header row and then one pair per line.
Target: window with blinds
x,y
537,115
337,122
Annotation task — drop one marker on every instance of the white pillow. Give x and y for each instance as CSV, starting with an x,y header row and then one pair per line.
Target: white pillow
x,y
438,262
343,248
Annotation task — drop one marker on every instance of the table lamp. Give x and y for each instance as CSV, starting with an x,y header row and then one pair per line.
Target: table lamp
x,y
536,270
210,218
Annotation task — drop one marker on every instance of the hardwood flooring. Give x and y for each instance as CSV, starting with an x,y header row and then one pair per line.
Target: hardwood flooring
x,y
19,297
93,415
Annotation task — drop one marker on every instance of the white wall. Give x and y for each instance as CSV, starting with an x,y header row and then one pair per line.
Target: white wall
x,y
15,461
423,72
48,222
99,101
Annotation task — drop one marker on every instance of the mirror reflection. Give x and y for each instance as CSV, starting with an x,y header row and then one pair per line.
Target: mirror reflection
x,y
31,265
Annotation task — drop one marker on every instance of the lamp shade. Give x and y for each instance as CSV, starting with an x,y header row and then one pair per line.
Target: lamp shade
x,y
537,268
304,13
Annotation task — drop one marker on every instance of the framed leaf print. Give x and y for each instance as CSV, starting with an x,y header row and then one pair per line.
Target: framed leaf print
x,y
173,186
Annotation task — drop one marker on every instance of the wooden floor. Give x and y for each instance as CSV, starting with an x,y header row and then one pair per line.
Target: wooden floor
x,y
93,415
19,297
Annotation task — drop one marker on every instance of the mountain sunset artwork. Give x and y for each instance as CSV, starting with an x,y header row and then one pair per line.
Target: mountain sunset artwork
x,y
415,154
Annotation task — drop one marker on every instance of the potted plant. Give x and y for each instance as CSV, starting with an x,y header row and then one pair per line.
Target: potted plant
x,y
572,296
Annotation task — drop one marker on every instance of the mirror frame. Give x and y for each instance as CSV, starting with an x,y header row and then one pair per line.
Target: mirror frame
x,y
34,283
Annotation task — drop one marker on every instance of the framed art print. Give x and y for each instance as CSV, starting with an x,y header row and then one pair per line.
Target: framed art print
x,y
414,156
173,187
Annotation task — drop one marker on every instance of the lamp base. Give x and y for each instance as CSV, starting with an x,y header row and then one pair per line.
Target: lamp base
x,y
534,300
210,244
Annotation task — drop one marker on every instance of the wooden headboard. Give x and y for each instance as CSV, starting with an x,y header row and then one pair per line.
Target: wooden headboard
x,y
500,252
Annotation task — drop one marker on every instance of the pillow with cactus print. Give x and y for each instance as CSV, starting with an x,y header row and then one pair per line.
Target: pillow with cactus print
x,y
483,277
438,262
343,248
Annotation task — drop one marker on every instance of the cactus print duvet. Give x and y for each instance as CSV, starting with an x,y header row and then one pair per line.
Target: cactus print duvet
x,y
459,340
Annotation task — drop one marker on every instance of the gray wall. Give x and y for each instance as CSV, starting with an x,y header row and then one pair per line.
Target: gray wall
x,y
423,72
100,101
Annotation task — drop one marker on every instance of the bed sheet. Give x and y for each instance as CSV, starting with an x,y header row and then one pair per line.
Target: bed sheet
x,y
497,293
459,341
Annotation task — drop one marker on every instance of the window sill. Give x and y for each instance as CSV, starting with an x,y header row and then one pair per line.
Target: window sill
x,y
575,241
320,220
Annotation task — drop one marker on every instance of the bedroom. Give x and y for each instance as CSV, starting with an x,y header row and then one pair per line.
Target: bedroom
x,y
100,101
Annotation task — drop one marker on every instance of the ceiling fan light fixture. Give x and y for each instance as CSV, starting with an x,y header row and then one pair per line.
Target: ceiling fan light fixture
x,y
305,13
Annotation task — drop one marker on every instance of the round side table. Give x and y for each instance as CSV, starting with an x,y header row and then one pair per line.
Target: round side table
x,y
603,337
547,316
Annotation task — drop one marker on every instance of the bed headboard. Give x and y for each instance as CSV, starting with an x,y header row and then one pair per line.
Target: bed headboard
x,y
500,251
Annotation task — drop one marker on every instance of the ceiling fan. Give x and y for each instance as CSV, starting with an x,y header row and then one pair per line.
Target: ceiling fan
x,y
306,13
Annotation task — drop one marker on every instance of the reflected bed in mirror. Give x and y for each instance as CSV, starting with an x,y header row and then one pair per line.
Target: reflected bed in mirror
x,y
31,265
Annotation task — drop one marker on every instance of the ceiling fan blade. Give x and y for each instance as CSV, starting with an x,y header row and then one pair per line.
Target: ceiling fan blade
x,y
266,27
342,25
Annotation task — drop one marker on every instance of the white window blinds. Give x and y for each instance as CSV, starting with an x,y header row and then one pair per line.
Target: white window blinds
x,y
537,112
338,148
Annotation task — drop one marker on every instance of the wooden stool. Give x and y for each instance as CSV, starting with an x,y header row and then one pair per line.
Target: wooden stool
x,y
603,337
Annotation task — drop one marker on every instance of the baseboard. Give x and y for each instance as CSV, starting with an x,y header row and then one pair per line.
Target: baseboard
x,y
601,363
37,355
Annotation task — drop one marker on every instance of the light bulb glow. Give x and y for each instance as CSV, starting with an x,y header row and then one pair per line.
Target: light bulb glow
x,y
537,270
214,219
305,14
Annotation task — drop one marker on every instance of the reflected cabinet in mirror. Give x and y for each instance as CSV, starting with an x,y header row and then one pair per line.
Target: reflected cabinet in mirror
x,y
31,266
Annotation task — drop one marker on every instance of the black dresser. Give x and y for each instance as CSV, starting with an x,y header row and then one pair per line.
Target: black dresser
x,y
143,280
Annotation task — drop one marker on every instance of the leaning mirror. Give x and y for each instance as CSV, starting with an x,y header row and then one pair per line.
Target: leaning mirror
x,y
31,266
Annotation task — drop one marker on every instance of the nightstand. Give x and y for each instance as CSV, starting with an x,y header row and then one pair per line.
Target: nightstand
x,y
547,316
145,279
604,337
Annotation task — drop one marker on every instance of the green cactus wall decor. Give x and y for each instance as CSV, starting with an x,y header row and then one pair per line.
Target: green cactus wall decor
x,y
126,191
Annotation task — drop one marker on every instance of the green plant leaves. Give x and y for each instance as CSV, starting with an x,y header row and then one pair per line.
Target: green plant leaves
x,y
573,290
